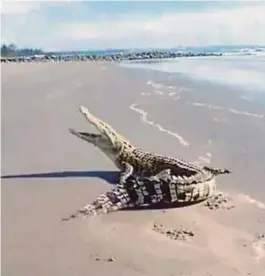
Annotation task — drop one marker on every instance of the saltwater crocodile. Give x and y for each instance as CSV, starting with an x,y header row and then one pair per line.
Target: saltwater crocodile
x,y
133,161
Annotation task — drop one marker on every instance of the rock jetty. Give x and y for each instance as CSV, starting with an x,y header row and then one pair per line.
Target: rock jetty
x,y
108,57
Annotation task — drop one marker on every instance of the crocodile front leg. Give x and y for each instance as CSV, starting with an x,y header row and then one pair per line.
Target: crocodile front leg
x,y
125,174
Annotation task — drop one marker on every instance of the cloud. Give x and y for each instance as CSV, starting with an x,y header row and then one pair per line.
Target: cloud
x,y
14,18
80,28
240,26
12,7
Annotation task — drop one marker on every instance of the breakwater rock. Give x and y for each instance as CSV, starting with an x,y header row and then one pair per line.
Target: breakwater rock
x,y
144,55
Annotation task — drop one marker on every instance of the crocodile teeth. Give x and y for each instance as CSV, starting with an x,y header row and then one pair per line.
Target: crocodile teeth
x,y
192,179
187,179
180,180
198,176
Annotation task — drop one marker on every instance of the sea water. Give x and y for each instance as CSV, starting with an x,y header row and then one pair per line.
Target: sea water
x,y
246,71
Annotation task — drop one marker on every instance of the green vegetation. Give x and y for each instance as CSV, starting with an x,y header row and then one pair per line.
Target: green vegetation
x,y
12,50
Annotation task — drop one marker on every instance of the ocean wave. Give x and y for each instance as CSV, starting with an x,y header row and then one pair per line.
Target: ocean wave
x,y
244,71
171,91
247,98
260,51
232,110
168,88
248,199
204,160
144,114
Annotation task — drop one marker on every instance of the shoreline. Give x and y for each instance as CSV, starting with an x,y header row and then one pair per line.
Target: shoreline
x,y
63,174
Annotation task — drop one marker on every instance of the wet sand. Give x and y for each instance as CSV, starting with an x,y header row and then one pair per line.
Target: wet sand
x,y
48,174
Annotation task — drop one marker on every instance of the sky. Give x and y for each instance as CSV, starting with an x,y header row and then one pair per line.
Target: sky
x,y
87,25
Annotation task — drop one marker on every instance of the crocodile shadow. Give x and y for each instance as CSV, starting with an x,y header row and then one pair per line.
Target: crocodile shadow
x,y
109,176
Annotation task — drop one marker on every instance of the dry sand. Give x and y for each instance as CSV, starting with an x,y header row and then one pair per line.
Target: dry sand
x,y
51,174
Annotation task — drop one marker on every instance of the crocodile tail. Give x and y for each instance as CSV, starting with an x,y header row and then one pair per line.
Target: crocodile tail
x,y
112,201
217,171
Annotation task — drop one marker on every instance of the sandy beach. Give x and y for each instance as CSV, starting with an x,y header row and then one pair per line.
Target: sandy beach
x,y
48,174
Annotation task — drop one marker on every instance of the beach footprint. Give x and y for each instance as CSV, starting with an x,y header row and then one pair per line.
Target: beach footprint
x,y
182,233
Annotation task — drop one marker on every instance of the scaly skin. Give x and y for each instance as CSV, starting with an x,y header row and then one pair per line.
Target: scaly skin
x,y
148,191
133,161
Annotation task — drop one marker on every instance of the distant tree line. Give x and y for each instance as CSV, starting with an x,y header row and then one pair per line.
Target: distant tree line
x,y
12,50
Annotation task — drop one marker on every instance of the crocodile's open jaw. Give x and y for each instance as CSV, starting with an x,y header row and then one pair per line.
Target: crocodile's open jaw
x,y
102,127
108,140
100,141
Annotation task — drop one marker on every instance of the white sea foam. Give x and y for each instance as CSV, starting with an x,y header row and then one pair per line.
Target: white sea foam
x,y
161,86
246,98
232,110
158,92
145,94
248,199
237,70
145,120
204,160
246,113
165,90
247,52
222,121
